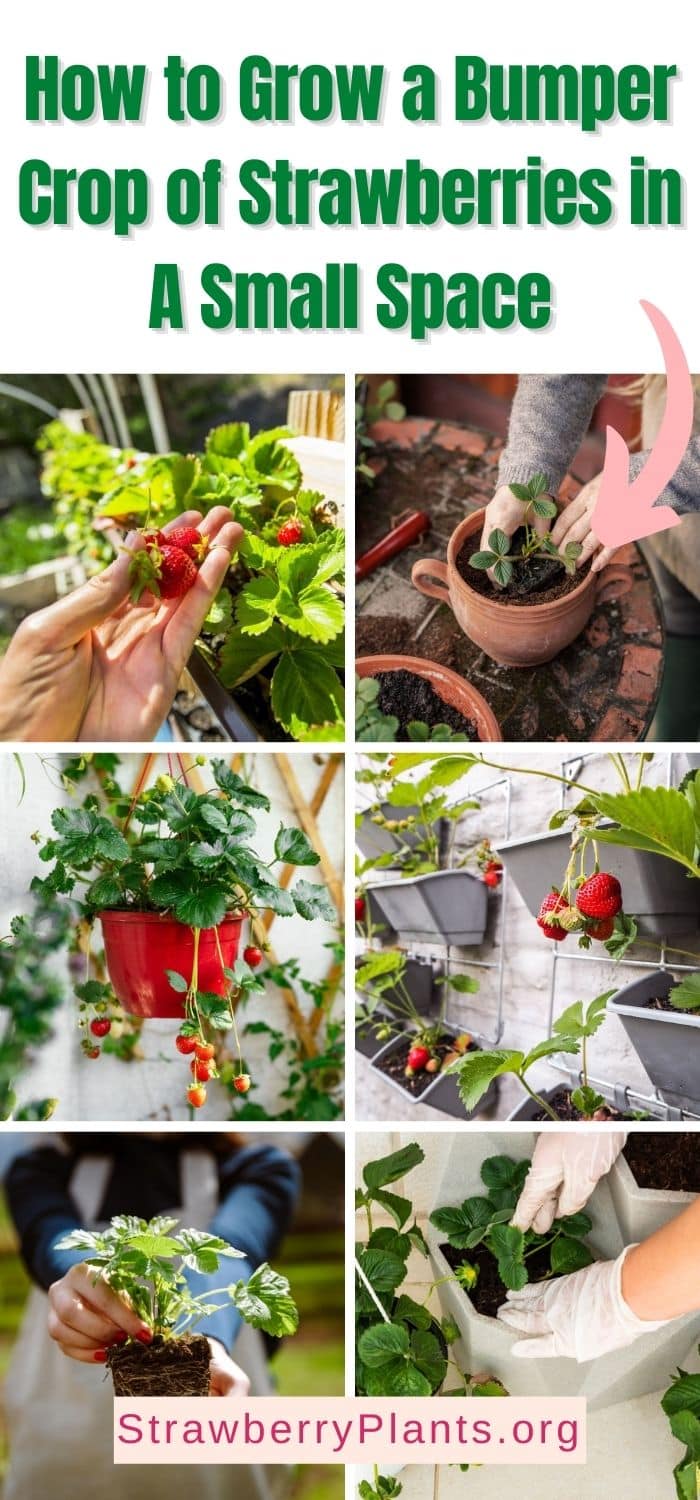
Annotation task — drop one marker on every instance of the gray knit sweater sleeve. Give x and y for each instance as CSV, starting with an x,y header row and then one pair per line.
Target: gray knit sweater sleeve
x,y
548,421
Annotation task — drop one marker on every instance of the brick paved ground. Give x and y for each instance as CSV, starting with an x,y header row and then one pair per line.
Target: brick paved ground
x,y
602,687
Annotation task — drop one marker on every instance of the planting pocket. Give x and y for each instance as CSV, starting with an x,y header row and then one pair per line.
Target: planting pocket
x,y
667,1042
446,908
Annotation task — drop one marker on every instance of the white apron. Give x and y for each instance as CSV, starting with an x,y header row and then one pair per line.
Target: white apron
x,y
59,1411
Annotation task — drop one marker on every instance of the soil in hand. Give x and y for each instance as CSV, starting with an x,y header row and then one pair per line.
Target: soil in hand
x,y
563,1108
489,1293
536,580
166,1367
669,1161
393,1064
408,697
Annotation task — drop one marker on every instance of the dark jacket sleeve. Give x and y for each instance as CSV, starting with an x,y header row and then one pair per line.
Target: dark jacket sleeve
x,y
38,1196
259,1189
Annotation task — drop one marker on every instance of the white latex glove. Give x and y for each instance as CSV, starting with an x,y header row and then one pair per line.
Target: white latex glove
x,y
576,1317
566,1165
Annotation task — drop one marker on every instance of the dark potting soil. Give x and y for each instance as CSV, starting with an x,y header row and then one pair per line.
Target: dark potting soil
x,y
662,1002
669,1160
394,1062
409,697
375,635
564,1109
538,580
489,1293
166,1367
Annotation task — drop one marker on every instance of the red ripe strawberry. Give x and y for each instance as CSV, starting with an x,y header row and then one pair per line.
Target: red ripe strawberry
x,y
92,1051
253,957
291,533
176,573
185,1044
189,540
241,1083
417,1058
360,908
153,538
491,878
204,1050
197,1095
601,930
100,1026
600,897
552,902
201,1071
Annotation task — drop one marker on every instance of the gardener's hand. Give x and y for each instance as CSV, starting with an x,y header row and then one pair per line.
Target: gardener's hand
x,y
225,1377
505,513
86,1316
566,1165
574,524
578,1317
94,666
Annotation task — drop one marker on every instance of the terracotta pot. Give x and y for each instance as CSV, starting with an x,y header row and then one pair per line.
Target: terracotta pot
x,y
448,686
141,945
515,635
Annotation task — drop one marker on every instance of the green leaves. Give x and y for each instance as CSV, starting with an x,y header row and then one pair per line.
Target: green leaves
x,y
293,846
568,1255
686,995
508,1246
496,558
84,836
237,789
658,819
399,1362
378,1174
306,692
478,1069
266,1302
312,901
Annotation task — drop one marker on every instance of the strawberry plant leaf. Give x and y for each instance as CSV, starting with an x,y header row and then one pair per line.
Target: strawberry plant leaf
x,y
204,906
569,1255
382,1344
185,471
257,604
483,560
388,1169
306,690
235,787
503,572
478,1069
293,846
318,614
243,656
659,819
104,892
312,901
686,995
265,1301
177,981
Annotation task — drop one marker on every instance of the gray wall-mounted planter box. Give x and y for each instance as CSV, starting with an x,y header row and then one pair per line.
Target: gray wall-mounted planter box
x,y
641,1211
487,1345
655,889
448,907
419,979
442,1093
667,1042
373,840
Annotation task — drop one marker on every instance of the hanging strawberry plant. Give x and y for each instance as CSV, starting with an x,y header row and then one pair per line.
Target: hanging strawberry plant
x,y
146,1262
274,635
171,874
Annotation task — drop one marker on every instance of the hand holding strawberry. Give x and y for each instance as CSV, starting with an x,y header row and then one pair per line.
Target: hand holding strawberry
x,y
96,666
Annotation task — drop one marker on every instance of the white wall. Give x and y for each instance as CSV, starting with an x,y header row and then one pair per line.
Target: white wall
x,y
108,1089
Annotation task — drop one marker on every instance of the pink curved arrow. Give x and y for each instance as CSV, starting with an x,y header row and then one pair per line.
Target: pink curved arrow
x,y
626,512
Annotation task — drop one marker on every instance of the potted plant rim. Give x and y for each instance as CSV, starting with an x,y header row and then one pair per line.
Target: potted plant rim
x,y
654,1178
147,1262
411,698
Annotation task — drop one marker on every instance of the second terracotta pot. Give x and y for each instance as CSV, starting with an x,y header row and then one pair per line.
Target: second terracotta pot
x,y
141,945
514,635
448,685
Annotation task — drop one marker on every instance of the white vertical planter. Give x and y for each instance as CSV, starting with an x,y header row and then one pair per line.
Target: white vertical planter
x,y
486,1345
641,1211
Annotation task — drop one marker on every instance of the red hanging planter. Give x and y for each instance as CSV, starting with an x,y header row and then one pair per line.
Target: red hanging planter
x,y
141,945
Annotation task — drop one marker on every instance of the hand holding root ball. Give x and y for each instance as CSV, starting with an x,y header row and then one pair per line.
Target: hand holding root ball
x,y
86,1317
104,663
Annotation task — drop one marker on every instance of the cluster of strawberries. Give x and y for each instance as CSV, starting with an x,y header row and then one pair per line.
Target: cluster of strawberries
x,y
598,901
421,1060
167,564
203,1064
100,1026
